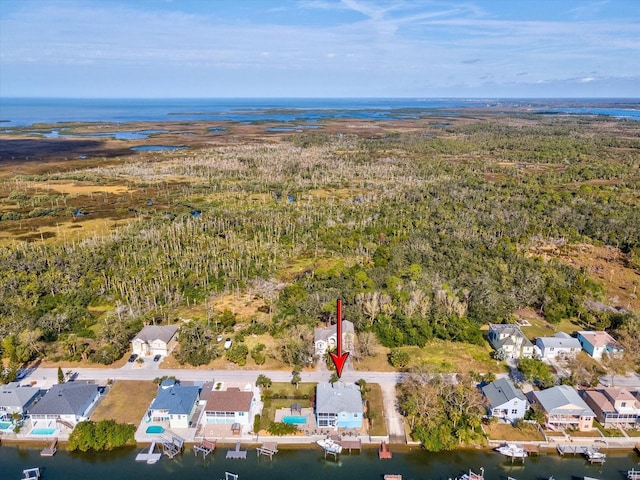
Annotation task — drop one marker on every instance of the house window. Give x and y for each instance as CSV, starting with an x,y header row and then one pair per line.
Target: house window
x,y
241,414
514,411
623,404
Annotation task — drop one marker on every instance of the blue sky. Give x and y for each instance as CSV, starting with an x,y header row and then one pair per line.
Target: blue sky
x,y
320,48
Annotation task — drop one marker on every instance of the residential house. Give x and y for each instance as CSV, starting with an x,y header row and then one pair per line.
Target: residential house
x,y
505,400
226,407
338,405
597,343
326,339
563,408
560,345
155,340
175,404
17,399
66,403
510,341
614,407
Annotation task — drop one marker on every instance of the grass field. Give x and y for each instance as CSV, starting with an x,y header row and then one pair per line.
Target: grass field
x,y
126,402
509,433
374,398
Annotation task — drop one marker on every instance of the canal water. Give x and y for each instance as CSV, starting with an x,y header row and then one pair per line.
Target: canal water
x,y
308,464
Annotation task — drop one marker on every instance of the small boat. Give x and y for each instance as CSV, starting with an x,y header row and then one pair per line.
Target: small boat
x,y
31,473
594,455
330,446
512,450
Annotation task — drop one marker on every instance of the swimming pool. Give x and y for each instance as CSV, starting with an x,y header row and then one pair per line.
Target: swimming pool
x,y
43,431
155,429
5,425
294,419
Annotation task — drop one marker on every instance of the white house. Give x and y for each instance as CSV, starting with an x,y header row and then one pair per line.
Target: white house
x,y
325,339
597,343
230,406
560,345
509,339
154,340
66,404
16,399
175,404
505,400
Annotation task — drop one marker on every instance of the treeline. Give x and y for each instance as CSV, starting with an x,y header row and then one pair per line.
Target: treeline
x,y
421,236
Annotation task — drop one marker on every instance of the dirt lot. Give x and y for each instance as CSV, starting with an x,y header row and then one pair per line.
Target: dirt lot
x,y
126,402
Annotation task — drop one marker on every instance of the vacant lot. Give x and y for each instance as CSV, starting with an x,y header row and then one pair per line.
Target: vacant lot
x,y
509,433
126,402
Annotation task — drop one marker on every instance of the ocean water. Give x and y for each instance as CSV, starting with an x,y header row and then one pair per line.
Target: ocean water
x,y
15,112
308,464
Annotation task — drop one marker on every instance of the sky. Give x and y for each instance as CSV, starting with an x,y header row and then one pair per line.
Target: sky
x,y
319,48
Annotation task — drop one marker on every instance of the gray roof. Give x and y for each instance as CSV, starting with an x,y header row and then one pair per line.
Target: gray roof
x,y
157,332
13,395
338,398
66,399
563,400
502,391
325,333
558,341
176,399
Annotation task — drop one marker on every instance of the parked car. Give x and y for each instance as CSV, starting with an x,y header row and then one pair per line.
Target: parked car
x,y
133,357
227,343
157,358
219,339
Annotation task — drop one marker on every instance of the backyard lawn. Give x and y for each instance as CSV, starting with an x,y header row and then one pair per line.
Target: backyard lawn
x,y
126,402
509,433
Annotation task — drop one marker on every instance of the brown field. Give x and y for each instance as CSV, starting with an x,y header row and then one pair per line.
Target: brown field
x,y
126,402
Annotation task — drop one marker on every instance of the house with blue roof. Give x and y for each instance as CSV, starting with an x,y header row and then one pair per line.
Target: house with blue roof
x,y
174,404
339,405
563,408
505,401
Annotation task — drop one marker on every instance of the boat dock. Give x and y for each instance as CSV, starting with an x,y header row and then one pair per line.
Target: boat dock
x,y
172,446
594,456
267,449
31,473
383,452
633,474
237,453
51,450
392,476
572,449
351,444
205,447
149,455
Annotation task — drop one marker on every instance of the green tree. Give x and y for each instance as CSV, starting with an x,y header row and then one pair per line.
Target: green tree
x,y
60,375
263,381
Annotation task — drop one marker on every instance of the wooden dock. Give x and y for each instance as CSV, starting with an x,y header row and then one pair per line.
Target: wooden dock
x,y
50,450
351,444
531,449
150,456
31,473
237,453
392,476
268,449
383,452
172,446
633,474
571,449
205,447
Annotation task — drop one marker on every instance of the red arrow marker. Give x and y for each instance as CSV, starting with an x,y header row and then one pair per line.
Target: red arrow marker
x,y
339,358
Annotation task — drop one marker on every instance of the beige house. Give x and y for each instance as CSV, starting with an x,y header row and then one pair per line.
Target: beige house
x,y
230,406
614,407
325,339
155,340
563,408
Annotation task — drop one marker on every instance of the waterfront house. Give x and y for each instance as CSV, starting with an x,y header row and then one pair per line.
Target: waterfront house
x,y
563,408
505,401
326,339
614,407
597,343
155,340
226,407
560,345
66,403
510,341
338,405
17,399
175,404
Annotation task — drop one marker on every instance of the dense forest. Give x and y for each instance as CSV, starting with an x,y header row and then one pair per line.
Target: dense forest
x,y
422,234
